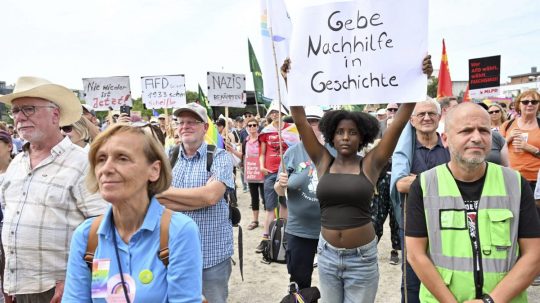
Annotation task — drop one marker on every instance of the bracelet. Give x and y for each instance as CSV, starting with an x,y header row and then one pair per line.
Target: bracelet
x,y
486,298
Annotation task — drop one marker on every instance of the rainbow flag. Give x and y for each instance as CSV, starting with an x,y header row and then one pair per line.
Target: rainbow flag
x,y
212,135
289,134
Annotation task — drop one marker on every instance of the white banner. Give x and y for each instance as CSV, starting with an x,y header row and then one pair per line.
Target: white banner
x,y
358,52
107,93
483,93
163,91
226,89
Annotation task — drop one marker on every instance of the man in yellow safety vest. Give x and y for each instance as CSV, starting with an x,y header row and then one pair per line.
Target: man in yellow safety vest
x,y
473,231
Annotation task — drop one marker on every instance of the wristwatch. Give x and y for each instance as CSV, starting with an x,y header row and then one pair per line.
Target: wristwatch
x,y
537,153
486,298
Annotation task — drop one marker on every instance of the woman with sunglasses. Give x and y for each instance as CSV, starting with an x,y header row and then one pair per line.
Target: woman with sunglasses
x,y
249,154
79,133
523,136
128,167
347,249
497,115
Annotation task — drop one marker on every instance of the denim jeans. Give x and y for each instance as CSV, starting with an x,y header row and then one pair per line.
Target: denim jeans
x,y
216,282
413,282
348,275
300,253
271,198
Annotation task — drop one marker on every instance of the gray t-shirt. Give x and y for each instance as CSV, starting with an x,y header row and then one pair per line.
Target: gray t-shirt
x,y
497,143
304,214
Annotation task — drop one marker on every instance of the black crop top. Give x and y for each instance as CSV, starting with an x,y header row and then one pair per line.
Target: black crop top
x,y
345,199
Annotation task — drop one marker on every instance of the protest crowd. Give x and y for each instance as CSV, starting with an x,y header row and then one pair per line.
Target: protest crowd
x,y
148,209
327,184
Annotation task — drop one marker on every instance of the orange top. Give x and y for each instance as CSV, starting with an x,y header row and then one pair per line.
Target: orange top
x,y
524,162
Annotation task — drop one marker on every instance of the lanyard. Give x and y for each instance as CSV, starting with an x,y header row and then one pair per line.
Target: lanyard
x,y
118,260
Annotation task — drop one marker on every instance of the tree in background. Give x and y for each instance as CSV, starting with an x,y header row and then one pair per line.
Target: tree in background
x,y
433,85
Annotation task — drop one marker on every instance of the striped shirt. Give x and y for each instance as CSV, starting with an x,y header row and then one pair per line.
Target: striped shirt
x,y
43,206
213,221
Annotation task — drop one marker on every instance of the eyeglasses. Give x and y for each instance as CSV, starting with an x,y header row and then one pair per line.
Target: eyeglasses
x,y
431,115
527,102
491,112
27,110
391,109
67,129
252,125
189,123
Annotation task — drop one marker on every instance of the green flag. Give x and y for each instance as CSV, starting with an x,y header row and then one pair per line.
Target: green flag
x,y
204,102
257,78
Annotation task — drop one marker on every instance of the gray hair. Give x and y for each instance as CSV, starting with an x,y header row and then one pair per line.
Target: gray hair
x,y
429,101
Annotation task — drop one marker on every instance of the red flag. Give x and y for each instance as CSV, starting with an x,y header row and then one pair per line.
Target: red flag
x,y
466,97
445,82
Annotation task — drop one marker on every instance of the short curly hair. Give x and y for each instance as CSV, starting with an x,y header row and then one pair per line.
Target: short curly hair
x,y
367,125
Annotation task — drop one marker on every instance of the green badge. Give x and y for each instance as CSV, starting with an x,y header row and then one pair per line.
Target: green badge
x,y
146,276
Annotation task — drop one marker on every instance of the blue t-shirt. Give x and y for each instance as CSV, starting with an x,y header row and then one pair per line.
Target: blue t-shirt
x,y
304,214
144,273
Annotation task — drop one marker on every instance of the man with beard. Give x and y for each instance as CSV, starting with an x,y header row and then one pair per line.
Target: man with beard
x,y
473,233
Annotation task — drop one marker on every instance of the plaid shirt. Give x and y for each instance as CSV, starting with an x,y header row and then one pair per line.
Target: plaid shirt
x,y
213,221
43,206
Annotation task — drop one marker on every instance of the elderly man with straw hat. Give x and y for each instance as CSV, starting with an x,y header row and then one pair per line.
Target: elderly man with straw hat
x,y
43,191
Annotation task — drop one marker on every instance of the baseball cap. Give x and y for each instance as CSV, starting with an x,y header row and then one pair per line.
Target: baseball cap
x,y
4,136
161,116
88,108
314,112
381,112
193,108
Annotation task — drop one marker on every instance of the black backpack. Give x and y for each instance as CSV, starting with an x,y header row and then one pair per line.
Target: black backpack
x,y
274,250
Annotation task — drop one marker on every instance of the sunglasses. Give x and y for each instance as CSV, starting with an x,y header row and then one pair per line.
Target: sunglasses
x,y
391,109
527,102
143,124
252,125
491,112
67,129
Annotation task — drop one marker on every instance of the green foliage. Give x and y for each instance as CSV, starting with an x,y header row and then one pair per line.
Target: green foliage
x,y
433,85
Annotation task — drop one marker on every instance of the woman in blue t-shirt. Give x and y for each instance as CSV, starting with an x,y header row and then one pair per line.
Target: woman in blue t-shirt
x,y
128,167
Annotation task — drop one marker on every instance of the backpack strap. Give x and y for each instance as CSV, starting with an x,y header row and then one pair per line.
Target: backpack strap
x,y
163,253
174,155
92,242
509,124
210,154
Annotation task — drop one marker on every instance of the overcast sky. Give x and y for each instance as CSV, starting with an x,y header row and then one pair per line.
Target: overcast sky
x,y
67,40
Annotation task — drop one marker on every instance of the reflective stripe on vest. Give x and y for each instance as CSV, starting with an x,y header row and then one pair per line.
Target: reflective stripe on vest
x,y
450,247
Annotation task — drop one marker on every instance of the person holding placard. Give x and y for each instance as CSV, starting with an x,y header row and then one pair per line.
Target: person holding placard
x,y
347,249
249,154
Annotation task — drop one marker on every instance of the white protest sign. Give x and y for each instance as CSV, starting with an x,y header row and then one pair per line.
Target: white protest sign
x,y
358,52
106,93
226,89
163,91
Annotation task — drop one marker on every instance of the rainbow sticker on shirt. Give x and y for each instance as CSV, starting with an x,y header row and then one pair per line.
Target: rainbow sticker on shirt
x,y
115,291
100,273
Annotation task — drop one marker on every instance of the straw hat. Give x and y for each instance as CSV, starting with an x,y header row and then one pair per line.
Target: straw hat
x,y
65,99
